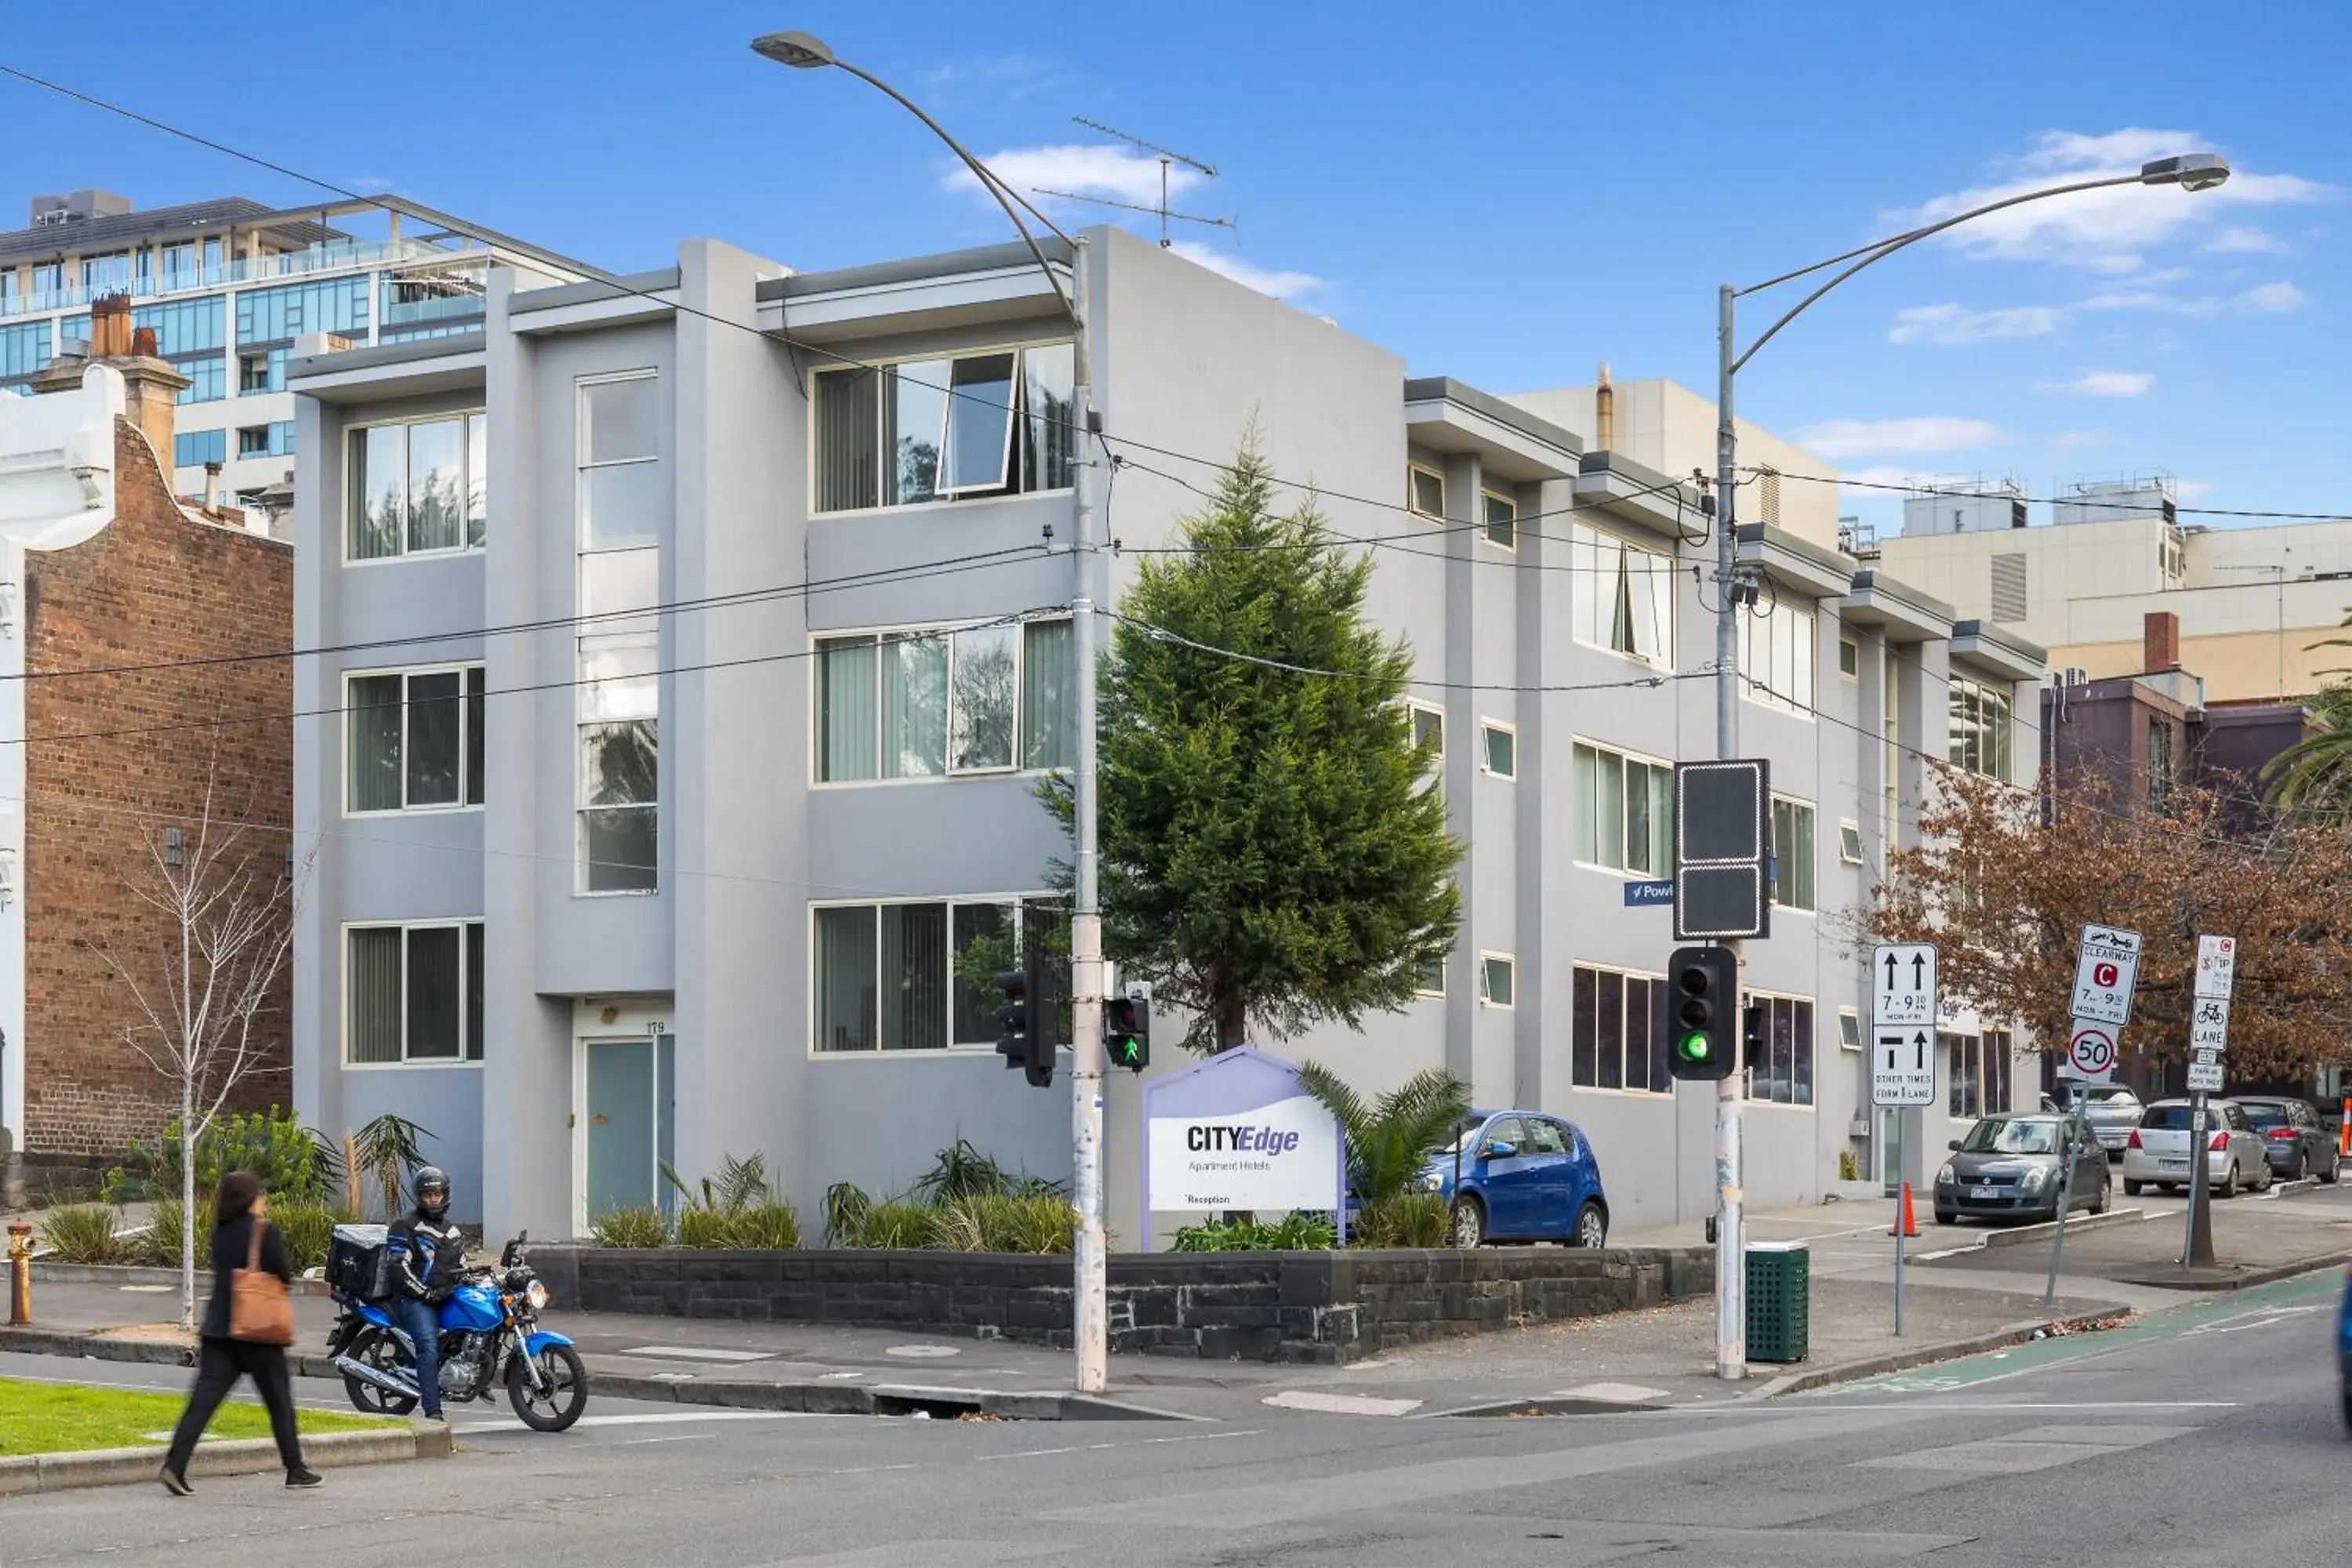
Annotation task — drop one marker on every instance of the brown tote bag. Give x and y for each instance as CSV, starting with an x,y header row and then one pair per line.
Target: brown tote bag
x,y
259,1310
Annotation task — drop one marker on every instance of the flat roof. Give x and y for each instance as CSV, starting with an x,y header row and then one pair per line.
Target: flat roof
x,y
81,236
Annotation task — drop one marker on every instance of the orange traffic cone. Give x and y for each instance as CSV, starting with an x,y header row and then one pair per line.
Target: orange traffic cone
x,y
1908,1225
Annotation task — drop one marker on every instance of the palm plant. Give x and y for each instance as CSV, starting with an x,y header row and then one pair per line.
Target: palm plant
x,y
2314,776
1391,1139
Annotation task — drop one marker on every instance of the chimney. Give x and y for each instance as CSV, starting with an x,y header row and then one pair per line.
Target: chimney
x,y
109,326
1604,412
2159,641
150,386
211,485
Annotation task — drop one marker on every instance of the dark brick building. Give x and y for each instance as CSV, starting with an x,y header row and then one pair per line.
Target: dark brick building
x,y
123,593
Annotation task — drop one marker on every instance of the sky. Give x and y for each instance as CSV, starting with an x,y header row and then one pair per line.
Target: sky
x,y
1506,193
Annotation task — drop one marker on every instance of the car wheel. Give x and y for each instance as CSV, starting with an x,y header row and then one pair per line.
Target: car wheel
x,y
2269,1175
1469,1223
1590,1229
2102,1197
1945,1217
2335,1169
2131,1187
2229,1187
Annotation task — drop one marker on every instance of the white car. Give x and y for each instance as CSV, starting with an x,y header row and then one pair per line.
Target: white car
x,y
2159,1149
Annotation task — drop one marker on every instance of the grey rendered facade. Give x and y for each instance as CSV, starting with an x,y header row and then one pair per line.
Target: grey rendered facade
x,y
717,992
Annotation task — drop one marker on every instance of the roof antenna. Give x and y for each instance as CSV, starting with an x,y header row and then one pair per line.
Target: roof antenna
x,y
1168,159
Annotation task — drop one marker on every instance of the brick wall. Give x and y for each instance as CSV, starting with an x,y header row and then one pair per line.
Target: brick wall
x,y
156,586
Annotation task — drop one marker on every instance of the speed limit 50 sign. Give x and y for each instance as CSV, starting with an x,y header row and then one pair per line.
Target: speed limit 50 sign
x,y
2091,1051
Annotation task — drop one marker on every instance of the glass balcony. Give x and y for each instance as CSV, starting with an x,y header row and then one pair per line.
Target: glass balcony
x,y
252,269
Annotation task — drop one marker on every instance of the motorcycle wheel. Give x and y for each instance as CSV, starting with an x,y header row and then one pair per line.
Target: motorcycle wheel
x,y
565,1394
380,1352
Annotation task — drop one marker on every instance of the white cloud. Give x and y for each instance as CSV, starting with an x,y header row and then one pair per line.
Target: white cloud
x,y
2246,242
2072,440
1835,438
1120,173
2108,229
2267,300
1951,324
1879,473
2270,297
2100,383
1282,285
2191,491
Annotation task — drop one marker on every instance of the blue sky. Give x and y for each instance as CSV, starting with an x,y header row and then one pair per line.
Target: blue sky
x,y
1504,193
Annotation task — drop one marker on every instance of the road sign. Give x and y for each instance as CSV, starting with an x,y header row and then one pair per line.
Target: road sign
x,y
1903,1067
2208,1025
2205,1073
2104,972
2217,965
2091,1051
1723,842
1903,985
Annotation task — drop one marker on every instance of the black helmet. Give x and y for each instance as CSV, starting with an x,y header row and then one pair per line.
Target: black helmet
x,y
431,1185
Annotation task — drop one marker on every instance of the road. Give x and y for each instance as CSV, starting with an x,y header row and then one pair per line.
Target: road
x,y
2195,1438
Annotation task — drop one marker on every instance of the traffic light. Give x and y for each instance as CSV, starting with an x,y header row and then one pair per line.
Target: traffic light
x,y
1127,1029
1012,1017
1703,1038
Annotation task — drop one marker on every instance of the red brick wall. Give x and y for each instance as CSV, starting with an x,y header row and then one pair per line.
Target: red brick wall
x,y
154,586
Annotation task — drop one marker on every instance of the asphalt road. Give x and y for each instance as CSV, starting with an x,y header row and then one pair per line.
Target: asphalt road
x,y
2206,1436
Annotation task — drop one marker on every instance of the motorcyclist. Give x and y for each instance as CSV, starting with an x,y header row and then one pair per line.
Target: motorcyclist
x,y
429,1255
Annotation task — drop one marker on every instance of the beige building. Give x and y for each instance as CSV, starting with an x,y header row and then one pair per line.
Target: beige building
x,y
2252,602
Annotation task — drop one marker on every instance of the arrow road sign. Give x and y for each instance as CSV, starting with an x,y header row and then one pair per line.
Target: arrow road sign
x,y
2091,1052
1903,985
2208,1025
2217,965
1903,1067
2104,972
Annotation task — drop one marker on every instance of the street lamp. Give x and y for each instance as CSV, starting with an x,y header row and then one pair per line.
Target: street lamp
x,y
2190,172
1091,1336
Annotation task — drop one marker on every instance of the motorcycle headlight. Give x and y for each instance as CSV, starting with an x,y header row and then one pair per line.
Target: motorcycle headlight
x,y
536,1294
1944,1176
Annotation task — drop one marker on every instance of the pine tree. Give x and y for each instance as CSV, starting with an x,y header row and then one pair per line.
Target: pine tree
x,y
1273,854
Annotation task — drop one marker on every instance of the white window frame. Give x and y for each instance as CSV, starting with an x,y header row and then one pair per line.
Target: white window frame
x,y
607,625
1412,494
1849,833
1421,990
1797,705
343,518
1849,1028
1414,708
953,901
1849,646
1655,874
966,499
465,736
470,1054
946,631
1487,524
1586,542
1511,967
1812,862
1487,727
1813,1051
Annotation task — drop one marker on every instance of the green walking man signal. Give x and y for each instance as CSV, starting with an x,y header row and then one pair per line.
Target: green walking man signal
x,y
1127,1029
1703,1024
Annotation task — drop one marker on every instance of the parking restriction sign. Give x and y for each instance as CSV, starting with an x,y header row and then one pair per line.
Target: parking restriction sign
x,y
2106,969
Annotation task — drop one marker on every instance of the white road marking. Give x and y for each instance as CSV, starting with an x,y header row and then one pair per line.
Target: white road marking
x,y
689,1352
1624,1393
656,1419
1132,1443
922,1352
1339,1403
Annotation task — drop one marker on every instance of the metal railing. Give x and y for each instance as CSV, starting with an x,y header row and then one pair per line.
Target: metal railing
x,y
245,270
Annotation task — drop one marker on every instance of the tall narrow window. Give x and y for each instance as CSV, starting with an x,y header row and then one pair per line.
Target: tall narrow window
x,y
1793,854
1502,518
1622,595
624,503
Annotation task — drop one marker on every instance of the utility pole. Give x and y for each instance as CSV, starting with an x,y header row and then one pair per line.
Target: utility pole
x,y
1086,1060
1730,1223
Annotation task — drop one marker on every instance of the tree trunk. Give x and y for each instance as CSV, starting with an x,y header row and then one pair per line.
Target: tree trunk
x,y
187,1203
1232,1020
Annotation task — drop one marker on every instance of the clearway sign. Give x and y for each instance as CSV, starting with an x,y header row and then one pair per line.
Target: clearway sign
x,y
2107,968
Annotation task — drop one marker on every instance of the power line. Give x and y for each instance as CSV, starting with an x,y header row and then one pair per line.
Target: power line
x,y
1939,493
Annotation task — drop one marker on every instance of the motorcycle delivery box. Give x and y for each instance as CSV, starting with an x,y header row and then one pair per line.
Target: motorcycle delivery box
x,y
358,1263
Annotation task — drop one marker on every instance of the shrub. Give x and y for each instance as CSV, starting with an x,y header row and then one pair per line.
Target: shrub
x,y
1292,1233
159,1246
739,1207
292,1161
308,1228
772,1224
641,1225
895,1223
846,1204
1408,1219
1849,1168
83,1233
994,1222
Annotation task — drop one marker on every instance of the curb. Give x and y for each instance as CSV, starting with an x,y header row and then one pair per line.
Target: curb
x,y
1549,1406
801,1398
1926,1355
2165,1278
27,1473
122,1274
2024,1235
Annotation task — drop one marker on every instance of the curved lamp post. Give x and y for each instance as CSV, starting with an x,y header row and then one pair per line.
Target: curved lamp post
x,y
2190,172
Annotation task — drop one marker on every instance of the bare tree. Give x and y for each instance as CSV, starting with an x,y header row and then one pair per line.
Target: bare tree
x,y
199,991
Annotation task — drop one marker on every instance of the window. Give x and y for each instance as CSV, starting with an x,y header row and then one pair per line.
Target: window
x,y
932,702
1624,595
1425,492
1977,1072
185,326
896,977
1001,423
1850,842
1429,729
1780,1059
190,447
623,503
413,994
1496,976
1618,1031
1982,718
99,273
1429,978
1849,658
1776,656
1890,752
1849,1029
48,282
1501,743
24,349
1501,514
2159,762
1793,854
419,487
1623,812
207,378
275,439
278,315
263,372
413,739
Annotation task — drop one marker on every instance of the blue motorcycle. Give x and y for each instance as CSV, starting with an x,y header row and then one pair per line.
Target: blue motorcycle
x,y
489,1333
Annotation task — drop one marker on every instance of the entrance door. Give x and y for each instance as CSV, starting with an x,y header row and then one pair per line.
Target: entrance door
x,y
630,1093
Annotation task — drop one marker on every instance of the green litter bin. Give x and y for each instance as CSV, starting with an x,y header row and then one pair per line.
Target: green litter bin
x,y
1779,1300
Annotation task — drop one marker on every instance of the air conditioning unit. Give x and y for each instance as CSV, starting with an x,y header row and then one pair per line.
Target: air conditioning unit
x,y
2077,676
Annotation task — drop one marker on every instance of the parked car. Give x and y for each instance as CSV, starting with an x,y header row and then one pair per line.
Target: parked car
x,y
2298,1146
1524,1177
2014,1168
2110,1109
2158,1152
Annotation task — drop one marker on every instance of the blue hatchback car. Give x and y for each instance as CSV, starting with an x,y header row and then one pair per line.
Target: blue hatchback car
x,y
1524,1177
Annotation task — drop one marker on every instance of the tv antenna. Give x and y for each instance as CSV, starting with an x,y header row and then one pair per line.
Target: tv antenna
x,y
1169,159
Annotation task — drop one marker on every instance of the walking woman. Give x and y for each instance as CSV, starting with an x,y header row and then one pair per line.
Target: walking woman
x,y
242,1240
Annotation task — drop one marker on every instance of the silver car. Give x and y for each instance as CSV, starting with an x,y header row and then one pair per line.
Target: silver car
x,y
2110,1109
2159,1151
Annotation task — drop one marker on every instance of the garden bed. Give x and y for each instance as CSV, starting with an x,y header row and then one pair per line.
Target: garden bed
x,y
56,1417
